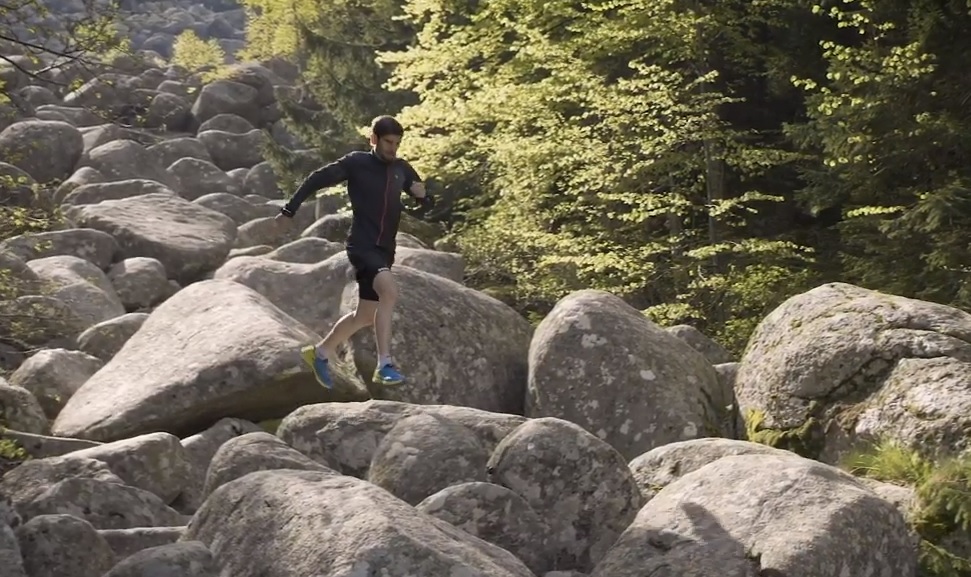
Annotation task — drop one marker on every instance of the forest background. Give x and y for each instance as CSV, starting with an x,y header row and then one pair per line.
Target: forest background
x,y
703,160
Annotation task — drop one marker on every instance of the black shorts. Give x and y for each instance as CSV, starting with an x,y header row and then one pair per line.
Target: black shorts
x,y
367,263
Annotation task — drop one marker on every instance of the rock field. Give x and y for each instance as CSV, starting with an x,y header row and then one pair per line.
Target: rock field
x,y
163,422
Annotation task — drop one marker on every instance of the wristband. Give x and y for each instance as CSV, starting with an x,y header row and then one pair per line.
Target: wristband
x,y
286,212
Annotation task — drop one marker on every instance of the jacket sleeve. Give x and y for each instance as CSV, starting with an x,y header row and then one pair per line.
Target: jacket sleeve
x,y
326,176
411,177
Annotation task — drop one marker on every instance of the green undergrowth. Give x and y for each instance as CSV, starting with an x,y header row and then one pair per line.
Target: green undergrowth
x,y
942,500
20,327
941,509
11,452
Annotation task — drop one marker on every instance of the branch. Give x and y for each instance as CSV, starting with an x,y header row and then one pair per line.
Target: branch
x,y
37,74
73,52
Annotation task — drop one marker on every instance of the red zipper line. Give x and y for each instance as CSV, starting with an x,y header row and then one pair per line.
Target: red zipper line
x,y
384,209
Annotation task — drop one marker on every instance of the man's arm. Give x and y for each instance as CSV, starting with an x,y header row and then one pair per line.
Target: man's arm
x,y
412,177
325,176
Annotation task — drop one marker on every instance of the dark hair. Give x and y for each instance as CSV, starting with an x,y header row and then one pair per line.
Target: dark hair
x,y
385,125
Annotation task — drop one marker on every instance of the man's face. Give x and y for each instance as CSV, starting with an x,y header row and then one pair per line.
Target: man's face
x,y
386,146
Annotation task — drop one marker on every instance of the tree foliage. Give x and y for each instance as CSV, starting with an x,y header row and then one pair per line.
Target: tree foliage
x,y
198,55
595,142
704,160
36,43
889,129
334,44
341,86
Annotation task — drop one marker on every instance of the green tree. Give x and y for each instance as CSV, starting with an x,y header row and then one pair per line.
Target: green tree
x,y
198,55
342,87
594,139
889,129
334,44
85,39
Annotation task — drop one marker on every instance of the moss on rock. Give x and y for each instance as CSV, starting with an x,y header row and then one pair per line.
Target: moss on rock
x,y
805,440
270,425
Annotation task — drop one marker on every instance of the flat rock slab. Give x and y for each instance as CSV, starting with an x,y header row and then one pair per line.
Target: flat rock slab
x,y
216,349
188,239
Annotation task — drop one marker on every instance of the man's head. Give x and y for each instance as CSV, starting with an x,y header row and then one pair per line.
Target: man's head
x,y
386,133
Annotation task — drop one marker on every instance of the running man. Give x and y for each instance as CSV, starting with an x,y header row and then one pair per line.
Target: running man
x,y
375,181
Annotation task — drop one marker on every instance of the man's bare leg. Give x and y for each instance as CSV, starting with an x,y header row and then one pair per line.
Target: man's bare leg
x,y
362,317
387,289
319,356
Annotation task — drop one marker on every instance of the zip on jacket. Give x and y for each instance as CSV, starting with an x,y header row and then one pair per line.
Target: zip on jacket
x,y
374,187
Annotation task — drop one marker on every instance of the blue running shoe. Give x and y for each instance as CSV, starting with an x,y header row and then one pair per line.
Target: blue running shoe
x,y
319,365
387,375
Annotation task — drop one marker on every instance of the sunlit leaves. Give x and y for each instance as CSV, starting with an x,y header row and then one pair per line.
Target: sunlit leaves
x,y
82,39
195,54
890,128
590,132
633,145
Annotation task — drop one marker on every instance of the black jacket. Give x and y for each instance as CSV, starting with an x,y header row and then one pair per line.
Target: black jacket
x,y
374,187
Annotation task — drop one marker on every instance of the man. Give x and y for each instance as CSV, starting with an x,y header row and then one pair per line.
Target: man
x,y
375,181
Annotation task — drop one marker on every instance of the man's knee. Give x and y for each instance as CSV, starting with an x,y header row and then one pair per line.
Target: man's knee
x,y
385,286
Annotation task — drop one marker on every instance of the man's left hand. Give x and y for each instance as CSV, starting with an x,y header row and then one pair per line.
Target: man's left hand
x,y
418,189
